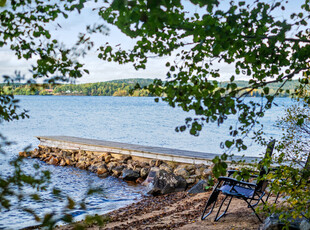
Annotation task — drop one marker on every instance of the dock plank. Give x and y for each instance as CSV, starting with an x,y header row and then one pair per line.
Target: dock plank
x,y
153,152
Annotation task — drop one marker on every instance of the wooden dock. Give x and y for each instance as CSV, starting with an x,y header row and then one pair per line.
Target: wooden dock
x,y
165,154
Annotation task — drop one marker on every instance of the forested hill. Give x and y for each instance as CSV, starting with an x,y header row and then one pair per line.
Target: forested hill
x,y
141,81
273,87
109,88
115,88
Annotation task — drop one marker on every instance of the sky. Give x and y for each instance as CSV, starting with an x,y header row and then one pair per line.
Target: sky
x,y
99,69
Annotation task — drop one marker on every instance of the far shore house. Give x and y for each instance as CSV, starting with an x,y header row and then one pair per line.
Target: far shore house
x,y
49,90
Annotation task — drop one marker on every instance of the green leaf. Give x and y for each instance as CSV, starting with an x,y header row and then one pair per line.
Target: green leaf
x,y
2,3
228,144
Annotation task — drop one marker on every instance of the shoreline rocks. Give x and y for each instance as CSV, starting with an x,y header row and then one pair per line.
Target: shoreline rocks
x,y
161,176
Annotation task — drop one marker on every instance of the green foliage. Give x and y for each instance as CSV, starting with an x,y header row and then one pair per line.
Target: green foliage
x,y
113,88
292,177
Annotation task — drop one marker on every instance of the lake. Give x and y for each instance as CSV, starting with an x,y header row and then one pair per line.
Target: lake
x,y
135,120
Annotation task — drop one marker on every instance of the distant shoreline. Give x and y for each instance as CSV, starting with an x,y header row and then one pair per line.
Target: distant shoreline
x,y
81,95
125,87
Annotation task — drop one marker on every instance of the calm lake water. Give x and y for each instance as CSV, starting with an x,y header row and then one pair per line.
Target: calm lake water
x,y
123,119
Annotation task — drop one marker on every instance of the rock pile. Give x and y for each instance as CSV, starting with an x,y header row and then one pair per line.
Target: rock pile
x,y
165,176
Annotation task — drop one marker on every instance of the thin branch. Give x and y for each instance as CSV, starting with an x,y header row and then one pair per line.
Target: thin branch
x,y
274,37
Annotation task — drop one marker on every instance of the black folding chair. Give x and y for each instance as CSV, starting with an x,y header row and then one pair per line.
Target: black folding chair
x,y
241,189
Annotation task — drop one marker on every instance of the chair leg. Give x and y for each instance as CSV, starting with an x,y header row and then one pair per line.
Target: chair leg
x,y
269,193
217,218
278,194
212,199
249,205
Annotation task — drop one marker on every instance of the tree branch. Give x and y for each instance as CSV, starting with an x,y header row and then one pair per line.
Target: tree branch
x,y
274,37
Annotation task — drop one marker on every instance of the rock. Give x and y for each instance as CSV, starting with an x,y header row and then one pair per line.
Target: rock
x,y
304,225
144,164
106,154
53,161
137,169
158,163
102,169
43,157
68,161
81,165
48,158
198,172
84,160
151,176
139,180
144,172
273,222
133,165
62,162
117,171
80,154
181,171
152,163
166,167
107,159
66,154
165,183
130,175
191,179
23,154
190,167
124,158
198,188
35,153
93,168
99,158
206,173
112,165
103,175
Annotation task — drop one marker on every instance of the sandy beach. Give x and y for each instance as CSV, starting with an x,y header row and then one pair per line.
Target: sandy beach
x,y
176,211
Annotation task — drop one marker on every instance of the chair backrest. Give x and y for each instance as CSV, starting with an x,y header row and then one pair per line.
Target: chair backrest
x,y
264,166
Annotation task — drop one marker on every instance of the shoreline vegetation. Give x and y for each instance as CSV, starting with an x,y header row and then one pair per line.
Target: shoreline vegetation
x,y
124,87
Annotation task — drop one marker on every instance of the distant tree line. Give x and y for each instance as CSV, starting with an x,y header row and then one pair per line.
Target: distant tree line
x,y
111,88
120,88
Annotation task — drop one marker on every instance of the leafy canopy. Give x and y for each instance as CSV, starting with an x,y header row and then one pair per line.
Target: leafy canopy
x,y
249,37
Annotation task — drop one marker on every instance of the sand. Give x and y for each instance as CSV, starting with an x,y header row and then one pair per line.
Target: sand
x,y
177,211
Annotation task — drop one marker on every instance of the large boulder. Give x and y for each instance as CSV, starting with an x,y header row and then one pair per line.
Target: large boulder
x,y
130,175
161,182
273,222
304,225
